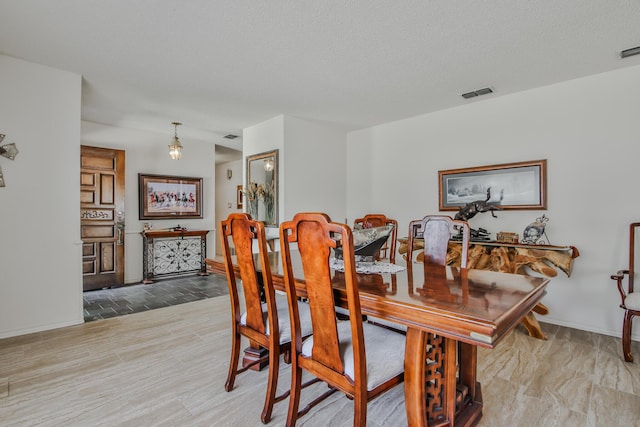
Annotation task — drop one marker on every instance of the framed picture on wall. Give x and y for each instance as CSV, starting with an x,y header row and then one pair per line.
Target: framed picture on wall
x,y
166,197
510,186
239,196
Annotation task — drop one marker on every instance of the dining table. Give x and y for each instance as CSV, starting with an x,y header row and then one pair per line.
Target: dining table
x,y
448,312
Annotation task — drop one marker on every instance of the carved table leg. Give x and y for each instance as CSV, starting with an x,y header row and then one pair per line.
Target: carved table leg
x,y
430,383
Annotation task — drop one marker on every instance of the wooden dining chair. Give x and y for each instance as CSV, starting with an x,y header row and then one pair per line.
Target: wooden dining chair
x,y
437,231
379,220
264,324
630,300
352,356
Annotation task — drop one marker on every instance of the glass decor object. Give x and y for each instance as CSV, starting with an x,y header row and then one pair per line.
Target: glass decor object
x,y
175,148
367,242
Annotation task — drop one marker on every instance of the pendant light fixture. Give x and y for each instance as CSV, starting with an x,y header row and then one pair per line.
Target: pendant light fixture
x,y
175,148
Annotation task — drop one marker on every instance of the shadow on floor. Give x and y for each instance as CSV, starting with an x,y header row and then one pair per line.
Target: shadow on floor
x,y
105,303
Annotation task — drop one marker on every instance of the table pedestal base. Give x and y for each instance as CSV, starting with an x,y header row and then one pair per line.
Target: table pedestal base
x,y
251,354
440,384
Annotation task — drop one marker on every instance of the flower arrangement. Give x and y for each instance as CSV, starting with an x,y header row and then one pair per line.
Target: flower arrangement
x,y
268,195
252,193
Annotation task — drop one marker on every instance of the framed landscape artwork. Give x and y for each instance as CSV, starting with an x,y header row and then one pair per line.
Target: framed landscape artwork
x,y
511,186
165,197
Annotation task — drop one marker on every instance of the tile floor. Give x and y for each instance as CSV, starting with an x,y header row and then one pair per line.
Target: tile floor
x,y
167,367
105,303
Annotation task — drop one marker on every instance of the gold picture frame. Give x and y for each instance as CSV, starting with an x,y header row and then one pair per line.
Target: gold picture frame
x,y
511,186
167,197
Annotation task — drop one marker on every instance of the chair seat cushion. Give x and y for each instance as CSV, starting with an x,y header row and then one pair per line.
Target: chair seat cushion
x,y
384,352
284,323
632,301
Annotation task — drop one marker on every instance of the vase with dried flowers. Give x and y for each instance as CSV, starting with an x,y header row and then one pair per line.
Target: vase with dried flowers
x,y
252,193
268,195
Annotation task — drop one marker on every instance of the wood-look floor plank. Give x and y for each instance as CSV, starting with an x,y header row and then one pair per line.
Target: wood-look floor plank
x,y
167,367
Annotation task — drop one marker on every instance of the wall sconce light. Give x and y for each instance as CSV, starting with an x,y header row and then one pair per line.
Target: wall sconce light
x,y
229,173
268,164
175,148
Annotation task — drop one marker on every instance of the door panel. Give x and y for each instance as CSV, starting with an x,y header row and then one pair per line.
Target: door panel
x,y
107,189
98,230
102,217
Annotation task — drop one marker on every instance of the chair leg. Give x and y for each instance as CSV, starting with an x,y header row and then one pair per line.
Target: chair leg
x,y
294,397
233,363
360,411
626,336
272,384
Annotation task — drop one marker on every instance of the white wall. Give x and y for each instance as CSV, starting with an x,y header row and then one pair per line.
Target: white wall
x,y
586,128
148,152
315,169
263,137
312,164
40,248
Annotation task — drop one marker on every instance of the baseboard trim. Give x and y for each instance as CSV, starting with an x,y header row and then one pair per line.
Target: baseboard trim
x,y
42,328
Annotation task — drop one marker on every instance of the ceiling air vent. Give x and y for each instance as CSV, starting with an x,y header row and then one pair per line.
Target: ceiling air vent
x,y
478,92
630,52
231,136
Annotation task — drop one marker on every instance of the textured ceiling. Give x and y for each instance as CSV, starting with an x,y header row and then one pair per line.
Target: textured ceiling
x,y
220,66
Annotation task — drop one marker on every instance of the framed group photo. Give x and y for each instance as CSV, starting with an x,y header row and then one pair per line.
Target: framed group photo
x,y
512,186
165,197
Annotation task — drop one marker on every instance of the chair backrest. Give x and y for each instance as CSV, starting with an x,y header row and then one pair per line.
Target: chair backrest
x,y
240,229
315,236
437,230
379,220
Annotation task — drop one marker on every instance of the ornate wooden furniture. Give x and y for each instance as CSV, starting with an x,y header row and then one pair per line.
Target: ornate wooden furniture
x,y
509,258
168,253
630,300
357,358
379,220
265,324
476,307
436,231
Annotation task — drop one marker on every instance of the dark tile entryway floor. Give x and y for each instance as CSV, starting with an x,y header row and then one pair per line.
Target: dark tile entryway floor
x,y
105,303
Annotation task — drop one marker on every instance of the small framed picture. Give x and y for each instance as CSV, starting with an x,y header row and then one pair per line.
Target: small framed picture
x,y
165,197
239,197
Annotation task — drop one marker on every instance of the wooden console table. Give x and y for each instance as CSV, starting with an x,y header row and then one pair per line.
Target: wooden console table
x,y
509,258
168,253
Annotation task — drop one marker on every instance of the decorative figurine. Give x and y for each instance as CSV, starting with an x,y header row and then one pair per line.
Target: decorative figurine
x,y
506,237
534,232
471,209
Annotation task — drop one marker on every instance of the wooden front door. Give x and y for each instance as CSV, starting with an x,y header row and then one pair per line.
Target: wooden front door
x,y
102,217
